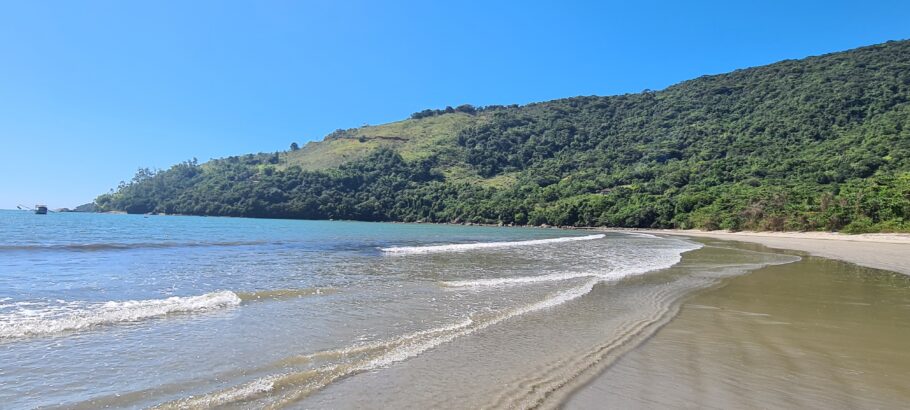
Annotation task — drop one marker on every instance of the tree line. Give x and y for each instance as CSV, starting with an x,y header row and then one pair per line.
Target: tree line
x,y
816,144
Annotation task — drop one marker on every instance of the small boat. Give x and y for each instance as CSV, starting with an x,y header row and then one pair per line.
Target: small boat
x,y
41,209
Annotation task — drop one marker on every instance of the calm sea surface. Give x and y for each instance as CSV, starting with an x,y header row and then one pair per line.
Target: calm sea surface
x,y
133,311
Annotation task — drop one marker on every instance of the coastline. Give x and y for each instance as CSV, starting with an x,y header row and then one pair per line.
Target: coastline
x,y
528,360
890,251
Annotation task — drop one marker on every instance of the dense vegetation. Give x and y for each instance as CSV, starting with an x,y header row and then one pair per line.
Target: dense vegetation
x,y
816,144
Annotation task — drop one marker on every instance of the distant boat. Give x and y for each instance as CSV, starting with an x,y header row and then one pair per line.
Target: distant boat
x,y
41,209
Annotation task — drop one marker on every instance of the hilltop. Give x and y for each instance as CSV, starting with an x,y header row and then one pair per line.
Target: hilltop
x,y
821,143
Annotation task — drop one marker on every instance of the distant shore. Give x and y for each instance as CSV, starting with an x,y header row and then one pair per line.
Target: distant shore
x,y
887,251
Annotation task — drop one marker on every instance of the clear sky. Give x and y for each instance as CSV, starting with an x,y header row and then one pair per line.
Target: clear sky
x,y
90,91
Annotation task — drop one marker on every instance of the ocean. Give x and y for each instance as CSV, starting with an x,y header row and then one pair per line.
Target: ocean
x,y
132,311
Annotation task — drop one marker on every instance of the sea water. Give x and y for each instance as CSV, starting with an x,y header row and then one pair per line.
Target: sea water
x,y
132,311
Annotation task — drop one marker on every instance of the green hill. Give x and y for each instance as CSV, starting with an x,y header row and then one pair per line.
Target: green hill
x,y
821,143
414,139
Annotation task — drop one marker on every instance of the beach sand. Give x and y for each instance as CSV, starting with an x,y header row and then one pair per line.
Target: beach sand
x,y
880,251
818,333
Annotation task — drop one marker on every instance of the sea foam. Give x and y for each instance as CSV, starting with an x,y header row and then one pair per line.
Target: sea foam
x,y
659,259
461,247
390,352
75,316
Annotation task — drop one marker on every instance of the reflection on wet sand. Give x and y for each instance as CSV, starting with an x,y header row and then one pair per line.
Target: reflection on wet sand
x,y
813,334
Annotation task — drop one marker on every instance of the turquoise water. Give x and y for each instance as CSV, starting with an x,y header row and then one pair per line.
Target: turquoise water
x,y
100,257
135,311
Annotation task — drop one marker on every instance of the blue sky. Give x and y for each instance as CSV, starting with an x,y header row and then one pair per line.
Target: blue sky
x,y
90,91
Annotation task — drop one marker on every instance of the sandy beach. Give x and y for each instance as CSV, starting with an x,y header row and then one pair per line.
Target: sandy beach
x,y
817,333
890,251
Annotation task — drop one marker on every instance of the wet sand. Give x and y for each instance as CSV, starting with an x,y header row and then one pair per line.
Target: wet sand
x,y
817,333
890,251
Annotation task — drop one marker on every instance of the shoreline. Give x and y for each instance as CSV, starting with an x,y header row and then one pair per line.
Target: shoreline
x,y
819,332
888,251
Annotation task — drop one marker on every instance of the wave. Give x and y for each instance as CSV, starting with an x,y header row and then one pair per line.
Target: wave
x,y
224,397
38,318
461,247
80,316
520,280
288,380
291,387
285,382
642,235
90,247
643,265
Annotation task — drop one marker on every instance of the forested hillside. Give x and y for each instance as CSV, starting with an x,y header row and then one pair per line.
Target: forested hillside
x,y
821,143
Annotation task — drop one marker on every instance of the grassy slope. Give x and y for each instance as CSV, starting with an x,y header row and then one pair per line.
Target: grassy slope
x,y
413,139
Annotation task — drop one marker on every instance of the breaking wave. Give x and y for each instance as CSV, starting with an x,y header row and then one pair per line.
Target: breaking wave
x,y
23,319
642,235
73,316
461,247
662,260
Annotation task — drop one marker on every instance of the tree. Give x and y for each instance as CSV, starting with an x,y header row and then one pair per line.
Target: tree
x,y
294,146
821,143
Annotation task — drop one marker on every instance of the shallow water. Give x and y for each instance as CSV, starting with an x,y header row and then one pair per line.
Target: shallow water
x,y
816,333
132,311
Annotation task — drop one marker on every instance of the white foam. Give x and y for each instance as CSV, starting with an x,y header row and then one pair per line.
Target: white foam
x,y
642,235
231,395
520,280
398,350
78,316
669,258
398,341
408,351
461,247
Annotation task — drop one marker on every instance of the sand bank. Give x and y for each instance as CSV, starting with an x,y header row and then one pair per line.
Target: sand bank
x,y
879,251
